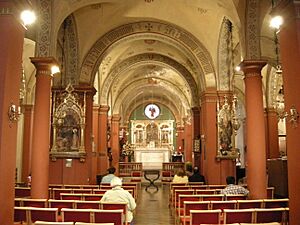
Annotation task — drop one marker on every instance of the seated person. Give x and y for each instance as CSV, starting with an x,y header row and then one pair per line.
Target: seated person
x,y
197,177
107,178
118,194
180,177
232,188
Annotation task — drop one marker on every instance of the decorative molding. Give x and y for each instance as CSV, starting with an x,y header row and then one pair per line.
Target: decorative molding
x,y
6,11
224,55
43,47
252,32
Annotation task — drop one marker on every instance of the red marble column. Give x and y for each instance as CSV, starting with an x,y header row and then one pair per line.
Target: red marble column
x,y
196,122
290,55
102,136
41,128
215,171
255,129
27,141
209,131
188,140
92,158
11,46
115,125
267,134
179,138
95,138
272,127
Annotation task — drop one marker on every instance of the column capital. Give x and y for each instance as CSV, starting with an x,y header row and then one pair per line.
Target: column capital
x,y
103,109
43,64
9,7
209,96
252,67
271,110
28,108
6,8
196,110
115,118
180,128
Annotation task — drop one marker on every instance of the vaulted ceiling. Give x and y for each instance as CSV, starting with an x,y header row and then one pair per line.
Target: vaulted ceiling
x,y
139,51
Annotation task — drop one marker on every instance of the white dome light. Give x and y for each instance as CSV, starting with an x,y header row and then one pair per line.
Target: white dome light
x,y
55,69
28,17
276,22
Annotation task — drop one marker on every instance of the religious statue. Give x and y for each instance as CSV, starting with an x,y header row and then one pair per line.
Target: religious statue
x,y
75,138
225,134
227,127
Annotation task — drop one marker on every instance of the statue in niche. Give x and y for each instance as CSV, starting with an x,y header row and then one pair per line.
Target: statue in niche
x,y
226,131
152,133
165,134
75,138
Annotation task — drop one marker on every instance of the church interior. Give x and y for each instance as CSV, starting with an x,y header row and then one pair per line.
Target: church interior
x,y
145,87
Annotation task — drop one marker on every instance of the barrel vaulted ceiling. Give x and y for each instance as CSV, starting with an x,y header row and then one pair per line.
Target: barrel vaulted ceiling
x,y
140,51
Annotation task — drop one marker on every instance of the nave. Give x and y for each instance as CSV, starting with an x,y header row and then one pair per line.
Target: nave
x,y
152,207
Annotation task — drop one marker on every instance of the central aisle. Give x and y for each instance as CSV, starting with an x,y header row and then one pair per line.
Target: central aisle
x,y
152,207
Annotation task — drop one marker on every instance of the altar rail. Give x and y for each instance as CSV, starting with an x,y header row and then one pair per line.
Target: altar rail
x,y
126,168
172,166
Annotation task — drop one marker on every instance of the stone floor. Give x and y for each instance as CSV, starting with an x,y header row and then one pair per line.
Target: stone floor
x,y
152,206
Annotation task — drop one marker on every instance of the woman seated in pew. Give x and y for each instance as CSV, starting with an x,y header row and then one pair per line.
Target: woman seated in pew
x,y
118,194
180,177
233,189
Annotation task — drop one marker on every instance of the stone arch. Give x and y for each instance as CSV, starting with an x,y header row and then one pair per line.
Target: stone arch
x,y
202,59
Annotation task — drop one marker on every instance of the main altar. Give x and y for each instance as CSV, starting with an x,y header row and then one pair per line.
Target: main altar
x,y
152,142
152,158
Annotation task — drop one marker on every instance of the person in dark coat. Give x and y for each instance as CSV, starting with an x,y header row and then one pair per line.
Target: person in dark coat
x,y
197,177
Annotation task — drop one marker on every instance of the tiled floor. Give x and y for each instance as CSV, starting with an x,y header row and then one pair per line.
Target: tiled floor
x,y
152,207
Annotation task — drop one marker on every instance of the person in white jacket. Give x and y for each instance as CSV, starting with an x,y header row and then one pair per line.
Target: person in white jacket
x,y
118,194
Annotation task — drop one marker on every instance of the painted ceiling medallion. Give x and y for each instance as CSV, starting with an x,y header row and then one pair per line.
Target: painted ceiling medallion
x,y
152,111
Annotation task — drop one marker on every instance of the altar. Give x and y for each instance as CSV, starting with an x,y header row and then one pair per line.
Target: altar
x,y
152,158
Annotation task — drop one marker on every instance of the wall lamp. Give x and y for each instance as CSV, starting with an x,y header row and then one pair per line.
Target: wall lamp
x,y
14,112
